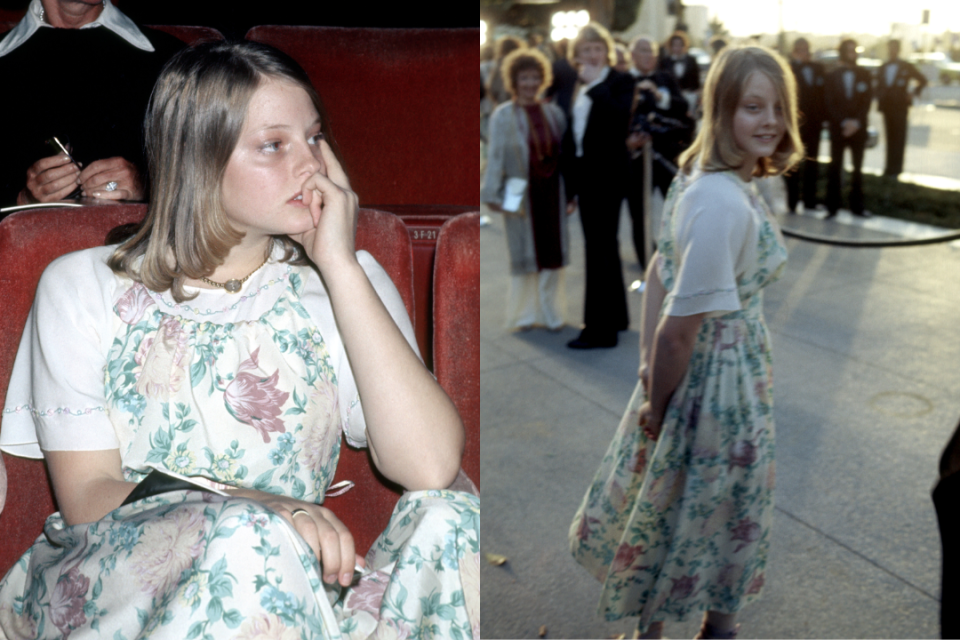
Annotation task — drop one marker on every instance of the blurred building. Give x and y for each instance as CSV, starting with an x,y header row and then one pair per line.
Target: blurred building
x,y
698,23
654,20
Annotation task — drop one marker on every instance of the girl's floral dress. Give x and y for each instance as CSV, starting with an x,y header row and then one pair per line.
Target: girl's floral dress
x,y
235,390
682,524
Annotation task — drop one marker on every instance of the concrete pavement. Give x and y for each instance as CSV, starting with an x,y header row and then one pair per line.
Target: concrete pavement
x,y
867,392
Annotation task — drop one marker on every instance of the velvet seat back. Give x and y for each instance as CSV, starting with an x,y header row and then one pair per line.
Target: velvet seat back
x,y
30,240
188,34
398,104
456,326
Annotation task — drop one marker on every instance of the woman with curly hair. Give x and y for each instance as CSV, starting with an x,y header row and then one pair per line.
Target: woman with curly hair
x,y
523,164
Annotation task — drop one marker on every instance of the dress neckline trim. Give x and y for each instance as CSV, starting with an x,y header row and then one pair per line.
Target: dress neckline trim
x,y
211,302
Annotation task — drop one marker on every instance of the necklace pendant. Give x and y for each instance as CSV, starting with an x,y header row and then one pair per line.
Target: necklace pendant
x,y
233,286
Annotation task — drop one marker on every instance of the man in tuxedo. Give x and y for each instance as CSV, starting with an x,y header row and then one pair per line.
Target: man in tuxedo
x,y
683,67
810,78
595,164
893,101
847,94
658,114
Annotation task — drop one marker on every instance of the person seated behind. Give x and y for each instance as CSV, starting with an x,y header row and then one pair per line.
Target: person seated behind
x,y
658,115
233,339
82,72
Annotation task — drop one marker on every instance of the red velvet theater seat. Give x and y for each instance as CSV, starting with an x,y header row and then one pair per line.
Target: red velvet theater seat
x,y
188,34
30,240
456,326
401,105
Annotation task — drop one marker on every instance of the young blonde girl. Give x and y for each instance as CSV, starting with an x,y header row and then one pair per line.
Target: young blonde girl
x,y
232,340
678,517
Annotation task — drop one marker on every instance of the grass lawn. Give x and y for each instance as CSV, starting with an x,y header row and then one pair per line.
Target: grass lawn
x,y
902,200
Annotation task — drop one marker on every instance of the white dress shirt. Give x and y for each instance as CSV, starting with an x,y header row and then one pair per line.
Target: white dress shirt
x,y
581,110
892,69
110,17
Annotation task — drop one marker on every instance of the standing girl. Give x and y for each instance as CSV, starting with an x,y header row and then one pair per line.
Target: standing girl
x,y
678,517
232,340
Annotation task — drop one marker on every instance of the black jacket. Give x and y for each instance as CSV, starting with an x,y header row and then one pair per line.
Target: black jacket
x,y
690,80
605,159
897,96
839,106
99,119
810,96
668,143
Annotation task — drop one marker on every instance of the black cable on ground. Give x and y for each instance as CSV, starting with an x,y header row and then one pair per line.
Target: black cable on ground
x,y
869,244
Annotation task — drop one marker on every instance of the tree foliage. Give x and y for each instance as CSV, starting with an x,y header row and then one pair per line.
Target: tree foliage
x,y
625,13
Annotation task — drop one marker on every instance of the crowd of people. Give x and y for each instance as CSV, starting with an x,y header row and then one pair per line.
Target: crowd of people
x,y
607,117
619,100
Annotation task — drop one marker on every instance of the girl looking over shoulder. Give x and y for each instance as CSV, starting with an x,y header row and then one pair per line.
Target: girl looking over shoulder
x,y
678,517
232,340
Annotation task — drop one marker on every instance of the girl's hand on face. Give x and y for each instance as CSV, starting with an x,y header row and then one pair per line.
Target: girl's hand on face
x,y
334,208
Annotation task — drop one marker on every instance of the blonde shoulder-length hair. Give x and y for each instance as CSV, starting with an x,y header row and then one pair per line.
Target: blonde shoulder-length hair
x,y
593,32
715,148
192,125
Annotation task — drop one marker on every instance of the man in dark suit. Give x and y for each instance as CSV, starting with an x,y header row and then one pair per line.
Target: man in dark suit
x,y
847,95
564,78
658,114
893,100
810,77
683,67
595,164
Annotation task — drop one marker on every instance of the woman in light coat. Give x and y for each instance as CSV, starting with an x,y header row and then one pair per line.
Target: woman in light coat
x,y
522,181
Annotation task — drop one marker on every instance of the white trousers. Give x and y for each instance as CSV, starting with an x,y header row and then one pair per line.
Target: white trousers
x,y
537,299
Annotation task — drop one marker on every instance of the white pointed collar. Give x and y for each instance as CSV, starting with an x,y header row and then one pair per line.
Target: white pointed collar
x,y
110,17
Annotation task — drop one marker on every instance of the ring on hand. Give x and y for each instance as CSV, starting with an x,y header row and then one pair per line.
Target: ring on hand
x,y
111,186
296,512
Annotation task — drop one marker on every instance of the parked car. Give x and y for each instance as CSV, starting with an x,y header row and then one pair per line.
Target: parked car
x,y
702,58
936,66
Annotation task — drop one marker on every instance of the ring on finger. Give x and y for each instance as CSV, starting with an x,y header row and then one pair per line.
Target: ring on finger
x,y
112,186
297,512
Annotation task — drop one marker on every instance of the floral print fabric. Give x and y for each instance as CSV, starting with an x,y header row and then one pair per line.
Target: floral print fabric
x,y
188,564
682,524
247,399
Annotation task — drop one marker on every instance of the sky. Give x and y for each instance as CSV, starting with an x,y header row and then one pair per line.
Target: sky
x,y
829,17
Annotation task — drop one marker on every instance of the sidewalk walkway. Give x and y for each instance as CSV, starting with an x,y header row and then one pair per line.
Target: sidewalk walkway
x,y
867,392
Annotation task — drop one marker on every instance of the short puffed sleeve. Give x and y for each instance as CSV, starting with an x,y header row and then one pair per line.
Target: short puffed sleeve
x,y
712,224
351,408
56,398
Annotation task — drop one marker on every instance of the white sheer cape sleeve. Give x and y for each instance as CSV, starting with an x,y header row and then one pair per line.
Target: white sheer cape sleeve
x,y
715,232
56,398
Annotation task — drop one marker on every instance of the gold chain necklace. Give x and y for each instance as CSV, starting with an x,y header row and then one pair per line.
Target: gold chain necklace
x,y
233,285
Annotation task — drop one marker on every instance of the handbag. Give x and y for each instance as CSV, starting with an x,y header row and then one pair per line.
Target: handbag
x,y
513,192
